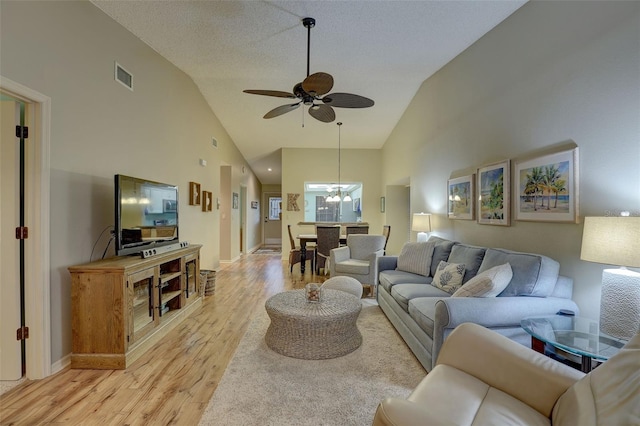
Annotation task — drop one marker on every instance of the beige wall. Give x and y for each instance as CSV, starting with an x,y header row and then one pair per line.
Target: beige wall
x,y
305,165
160,131
553,74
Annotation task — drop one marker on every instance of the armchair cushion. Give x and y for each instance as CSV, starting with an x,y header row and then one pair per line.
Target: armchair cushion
x,y
353,266
489,283
416,258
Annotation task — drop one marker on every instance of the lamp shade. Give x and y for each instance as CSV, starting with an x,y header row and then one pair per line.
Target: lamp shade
x,y
611,240
421,222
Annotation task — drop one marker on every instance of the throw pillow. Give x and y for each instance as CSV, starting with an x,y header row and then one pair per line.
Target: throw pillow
x,y
416,258
448,276
489,283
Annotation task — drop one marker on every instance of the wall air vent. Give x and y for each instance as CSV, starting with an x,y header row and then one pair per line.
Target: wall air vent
x,y
214,142
123,77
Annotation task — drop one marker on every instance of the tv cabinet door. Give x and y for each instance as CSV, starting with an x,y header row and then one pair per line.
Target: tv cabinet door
x,y
142,315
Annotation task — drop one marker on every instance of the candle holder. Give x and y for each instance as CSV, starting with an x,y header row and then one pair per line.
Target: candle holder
x,y
313,293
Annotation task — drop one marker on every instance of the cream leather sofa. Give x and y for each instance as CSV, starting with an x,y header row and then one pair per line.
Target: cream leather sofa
x,y
483,378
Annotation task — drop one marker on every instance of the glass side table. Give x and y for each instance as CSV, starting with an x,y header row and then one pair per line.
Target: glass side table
x,y
574,335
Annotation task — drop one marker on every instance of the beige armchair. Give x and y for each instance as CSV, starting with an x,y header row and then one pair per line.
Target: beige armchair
x,y
358,259
484,378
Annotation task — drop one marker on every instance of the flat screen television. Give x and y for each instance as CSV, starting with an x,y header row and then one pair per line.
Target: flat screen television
x,y
146,214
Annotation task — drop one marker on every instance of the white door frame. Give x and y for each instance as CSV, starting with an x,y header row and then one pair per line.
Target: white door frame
x,y
37,277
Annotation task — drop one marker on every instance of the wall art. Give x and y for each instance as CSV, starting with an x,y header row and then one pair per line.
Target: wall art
x,y
194,194
547,188
461,196
493,204
235,201
207,201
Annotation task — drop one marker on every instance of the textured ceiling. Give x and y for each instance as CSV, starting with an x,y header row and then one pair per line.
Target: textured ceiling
x,y
382,50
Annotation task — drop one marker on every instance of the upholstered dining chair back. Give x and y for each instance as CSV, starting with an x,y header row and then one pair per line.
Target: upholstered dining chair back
x,y
328,239
386,231
294,253
357,229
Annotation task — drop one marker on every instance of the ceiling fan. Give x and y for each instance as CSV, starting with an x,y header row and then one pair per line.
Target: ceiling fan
x,y
310,90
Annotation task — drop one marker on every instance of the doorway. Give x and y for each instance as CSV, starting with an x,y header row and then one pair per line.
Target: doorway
x,y
272,214
36,312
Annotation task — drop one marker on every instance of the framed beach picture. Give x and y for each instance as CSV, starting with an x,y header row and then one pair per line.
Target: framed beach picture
x,y
460,198
493,194
547,188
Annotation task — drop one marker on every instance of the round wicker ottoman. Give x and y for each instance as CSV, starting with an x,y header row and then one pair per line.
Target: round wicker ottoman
x,y
324,330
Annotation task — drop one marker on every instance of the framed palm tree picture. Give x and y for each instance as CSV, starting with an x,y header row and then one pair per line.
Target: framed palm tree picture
x,y
547,188
460,198
493,194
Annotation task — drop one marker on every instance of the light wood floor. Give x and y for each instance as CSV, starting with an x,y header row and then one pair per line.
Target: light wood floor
x,y
171,383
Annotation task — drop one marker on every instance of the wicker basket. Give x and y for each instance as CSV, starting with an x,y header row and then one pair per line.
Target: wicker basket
x,y
208,281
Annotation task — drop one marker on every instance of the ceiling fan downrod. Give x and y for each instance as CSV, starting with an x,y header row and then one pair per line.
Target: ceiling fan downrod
x,y
308,24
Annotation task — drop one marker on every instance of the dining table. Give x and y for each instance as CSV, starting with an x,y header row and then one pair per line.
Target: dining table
x,y
310,238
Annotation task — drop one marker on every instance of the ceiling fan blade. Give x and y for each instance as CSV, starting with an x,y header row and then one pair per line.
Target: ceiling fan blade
x,y
347,100
324,113
283,109
276,93
318,84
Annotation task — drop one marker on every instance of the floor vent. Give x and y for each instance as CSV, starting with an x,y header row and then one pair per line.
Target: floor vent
x,y
124,77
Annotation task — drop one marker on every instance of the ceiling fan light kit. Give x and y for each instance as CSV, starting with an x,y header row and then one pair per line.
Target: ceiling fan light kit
x,y
310,90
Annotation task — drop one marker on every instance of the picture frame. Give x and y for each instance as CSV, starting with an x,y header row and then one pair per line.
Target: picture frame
x,y
194,194
493,206
356,204
461,197
235,201
547,188
382,204
254,204
169,206
207,201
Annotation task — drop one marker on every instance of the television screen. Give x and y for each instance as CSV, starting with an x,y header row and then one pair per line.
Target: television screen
x,y
146,214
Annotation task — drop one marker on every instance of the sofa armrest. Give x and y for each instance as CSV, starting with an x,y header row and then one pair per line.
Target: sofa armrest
x,y
496,311
387,262
529,376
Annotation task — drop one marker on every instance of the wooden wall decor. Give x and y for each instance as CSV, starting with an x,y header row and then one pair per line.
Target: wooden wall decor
x,y
292,202
194,194
207,201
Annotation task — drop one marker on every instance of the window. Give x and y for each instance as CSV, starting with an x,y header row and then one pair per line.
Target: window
x,y
275,207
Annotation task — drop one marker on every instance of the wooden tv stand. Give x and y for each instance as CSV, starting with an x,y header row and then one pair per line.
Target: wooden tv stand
x,y
122,306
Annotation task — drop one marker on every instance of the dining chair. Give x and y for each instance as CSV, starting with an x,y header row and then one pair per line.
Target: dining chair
x,y
386,231
328,239
295,255
357,229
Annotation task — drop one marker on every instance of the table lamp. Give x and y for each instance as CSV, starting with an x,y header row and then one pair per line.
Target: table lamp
x,y
422,224
616,241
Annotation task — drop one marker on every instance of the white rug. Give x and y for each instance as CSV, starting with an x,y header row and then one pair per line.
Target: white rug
x,y
262,387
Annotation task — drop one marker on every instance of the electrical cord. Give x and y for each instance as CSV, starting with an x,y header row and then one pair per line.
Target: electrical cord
x,y
98,239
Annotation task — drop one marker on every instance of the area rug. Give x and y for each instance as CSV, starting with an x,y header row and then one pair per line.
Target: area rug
x,y
262,387
268,250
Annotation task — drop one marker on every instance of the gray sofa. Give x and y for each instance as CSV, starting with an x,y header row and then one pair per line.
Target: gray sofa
x,y
425,315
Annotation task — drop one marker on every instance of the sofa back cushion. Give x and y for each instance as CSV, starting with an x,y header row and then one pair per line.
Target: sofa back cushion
x,y
441,252
470,256
533,274
416,258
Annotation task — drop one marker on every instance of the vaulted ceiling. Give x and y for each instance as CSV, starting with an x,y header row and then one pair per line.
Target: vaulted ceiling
x,y
382,50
